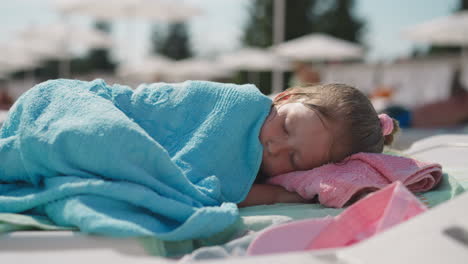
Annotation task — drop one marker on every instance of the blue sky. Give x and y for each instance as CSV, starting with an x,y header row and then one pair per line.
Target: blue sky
x,y
219,28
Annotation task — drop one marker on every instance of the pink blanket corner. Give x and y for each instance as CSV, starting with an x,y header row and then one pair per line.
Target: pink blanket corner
x,y
377,212
336,184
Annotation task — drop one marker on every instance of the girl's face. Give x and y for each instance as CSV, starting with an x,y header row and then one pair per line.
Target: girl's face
x,y
294,137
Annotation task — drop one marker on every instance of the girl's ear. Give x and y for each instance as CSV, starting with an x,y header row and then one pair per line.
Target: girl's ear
x,y
281,96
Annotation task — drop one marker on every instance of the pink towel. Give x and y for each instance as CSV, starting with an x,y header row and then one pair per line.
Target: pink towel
x,y
336,184
369,216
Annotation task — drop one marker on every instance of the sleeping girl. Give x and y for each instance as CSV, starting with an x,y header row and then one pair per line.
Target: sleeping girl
x,y
171,160
311,126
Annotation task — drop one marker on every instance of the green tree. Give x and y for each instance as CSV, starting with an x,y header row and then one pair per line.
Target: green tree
x,y
300,18
96,59
337,20
463,5
259,28
298,21
172,42
334,17
99,58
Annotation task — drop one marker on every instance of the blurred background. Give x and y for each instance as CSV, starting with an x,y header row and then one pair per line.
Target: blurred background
x,y
409,57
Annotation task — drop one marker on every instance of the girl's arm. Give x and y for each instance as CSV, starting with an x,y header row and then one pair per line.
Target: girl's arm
x,y
270,194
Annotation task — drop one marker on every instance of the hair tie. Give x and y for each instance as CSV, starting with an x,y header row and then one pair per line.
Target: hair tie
x,y
386,123
282,96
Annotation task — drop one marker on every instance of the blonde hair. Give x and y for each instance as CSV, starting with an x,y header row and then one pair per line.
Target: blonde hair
x,y
354,122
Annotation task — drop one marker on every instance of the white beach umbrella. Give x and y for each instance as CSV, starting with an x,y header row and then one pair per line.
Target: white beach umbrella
x,y
14,57
318,46
254,59
111,10
65,39
450,30
70,35
196,68
162,10
147,69
42,48
14,63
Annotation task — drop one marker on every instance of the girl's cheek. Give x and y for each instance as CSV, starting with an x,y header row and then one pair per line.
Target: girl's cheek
x,y
268,130
279,166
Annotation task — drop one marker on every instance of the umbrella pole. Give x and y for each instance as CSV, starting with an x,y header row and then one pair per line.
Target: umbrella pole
x,y
278,37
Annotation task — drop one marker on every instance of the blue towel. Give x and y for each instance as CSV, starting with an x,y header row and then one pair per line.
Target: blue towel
x,y
164,160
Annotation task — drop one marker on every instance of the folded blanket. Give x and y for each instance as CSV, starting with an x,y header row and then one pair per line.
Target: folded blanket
x,y
166,160
336,184
369,216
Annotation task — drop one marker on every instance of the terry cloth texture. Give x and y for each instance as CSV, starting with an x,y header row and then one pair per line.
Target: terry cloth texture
x,y
254,218
377,212
337,184
166,160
